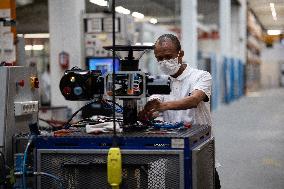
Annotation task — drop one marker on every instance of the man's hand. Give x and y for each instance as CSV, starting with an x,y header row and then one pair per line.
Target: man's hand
x,y
150,110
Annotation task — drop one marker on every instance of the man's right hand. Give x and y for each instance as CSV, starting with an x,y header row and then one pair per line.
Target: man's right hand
x,y
150,111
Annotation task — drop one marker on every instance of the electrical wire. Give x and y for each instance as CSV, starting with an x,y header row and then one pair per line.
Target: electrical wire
x,y
25,161
51,176
104,101
67,124
52,123
118,109
114,142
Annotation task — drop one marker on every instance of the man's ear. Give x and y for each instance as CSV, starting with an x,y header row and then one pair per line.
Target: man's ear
x,y
181,54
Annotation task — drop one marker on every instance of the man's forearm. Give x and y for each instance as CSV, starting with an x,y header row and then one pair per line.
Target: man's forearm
x,y
183,104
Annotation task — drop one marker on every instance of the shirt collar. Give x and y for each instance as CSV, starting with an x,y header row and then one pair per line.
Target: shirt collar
x,y
182,75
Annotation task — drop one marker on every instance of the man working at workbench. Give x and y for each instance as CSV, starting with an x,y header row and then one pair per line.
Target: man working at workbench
x,y
188,101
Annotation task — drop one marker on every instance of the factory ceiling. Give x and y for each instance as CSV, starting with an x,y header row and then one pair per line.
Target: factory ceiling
x,y
264,9
32,15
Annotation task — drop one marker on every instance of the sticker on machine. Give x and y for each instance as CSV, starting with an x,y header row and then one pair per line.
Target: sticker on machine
x,y
177,143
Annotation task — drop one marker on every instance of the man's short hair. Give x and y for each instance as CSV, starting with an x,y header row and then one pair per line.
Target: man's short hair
x,y
173,38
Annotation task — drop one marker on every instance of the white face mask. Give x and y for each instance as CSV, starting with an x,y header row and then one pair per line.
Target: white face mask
x,y
169,67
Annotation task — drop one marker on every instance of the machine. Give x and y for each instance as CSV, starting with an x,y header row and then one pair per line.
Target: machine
x,y
153,154
130,83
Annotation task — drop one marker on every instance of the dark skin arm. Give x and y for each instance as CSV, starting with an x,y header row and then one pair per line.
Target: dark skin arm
x,y
154,106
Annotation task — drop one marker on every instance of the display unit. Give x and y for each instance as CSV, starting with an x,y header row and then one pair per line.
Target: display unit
x,y
105,64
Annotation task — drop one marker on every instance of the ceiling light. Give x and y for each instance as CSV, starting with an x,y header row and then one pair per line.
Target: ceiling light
x,y
37,47
122,10
23,2
33,47
138,15
37,35
273,32
28,47
102,3
273,11
153,21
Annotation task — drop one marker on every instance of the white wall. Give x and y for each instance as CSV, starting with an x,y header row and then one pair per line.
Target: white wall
x,y
150,33
270,68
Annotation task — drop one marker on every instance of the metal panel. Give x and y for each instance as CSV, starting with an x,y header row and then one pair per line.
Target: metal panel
x,y
3,93
10,93
87,168
203,164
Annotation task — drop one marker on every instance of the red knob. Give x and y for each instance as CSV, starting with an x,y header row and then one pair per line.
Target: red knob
x,y
21,83
67,90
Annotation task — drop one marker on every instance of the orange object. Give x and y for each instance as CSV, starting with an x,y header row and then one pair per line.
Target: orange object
x,y
34,82
10,4
130,91
62,132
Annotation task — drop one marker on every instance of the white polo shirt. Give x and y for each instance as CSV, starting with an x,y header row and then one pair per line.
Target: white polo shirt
x,y
182,86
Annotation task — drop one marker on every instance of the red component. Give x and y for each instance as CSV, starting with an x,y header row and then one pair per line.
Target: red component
x,y
67,90
187,125
21,83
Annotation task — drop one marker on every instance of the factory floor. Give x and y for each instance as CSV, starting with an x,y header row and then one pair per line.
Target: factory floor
x,y
249,137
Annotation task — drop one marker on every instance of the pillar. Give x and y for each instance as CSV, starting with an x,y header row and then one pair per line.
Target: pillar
x,y
243,30
65,35
225,27
189,31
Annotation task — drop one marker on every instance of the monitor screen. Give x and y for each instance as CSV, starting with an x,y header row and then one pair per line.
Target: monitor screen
x,y
102,63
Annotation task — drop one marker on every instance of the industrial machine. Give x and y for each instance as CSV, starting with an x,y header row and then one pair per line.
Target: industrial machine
x,y
154,154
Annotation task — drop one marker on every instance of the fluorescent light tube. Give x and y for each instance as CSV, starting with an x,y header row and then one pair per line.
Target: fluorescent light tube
x,y
153,21
102,3
273,32
138,15
122,10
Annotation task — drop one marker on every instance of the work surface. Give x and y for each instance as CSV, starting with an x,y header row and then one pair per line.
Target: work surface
x,y
78,138
182,133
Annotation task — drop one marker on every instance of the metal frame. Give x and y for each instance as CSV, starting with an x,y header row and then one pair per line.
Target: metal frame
x,y
105,151
140,142
195,152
